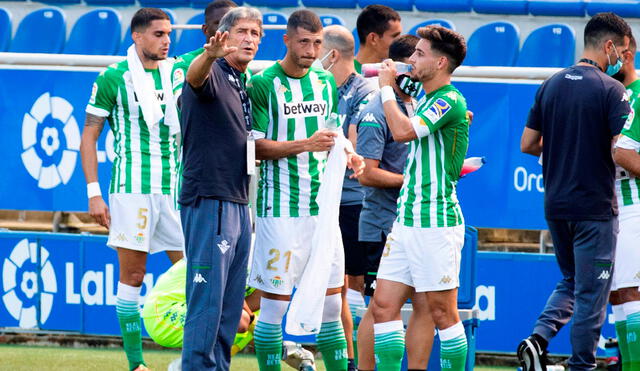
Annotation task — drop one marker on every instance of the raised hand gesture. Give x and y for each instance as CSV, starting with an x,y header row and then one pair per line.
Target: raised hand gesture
x,y
217,46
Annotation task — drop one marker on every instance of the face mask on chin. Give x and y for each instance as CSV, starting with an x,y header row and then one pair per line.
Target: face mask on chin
x,y
408,86
613,69
318,62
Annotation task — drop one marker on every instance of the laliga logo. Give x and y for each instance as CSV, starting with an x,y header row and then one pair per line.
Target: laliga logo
x,y
50,140
20,284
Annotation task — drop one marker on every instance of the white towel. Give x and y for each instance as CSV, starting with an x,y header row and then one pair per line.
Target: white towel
x,y
145,89
305,311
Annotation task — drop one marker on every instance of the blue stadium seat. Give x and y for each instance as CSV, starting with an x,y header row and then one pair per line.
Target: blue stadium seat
x,y
110,2
191,39
103,22
637,60
272,47
328,20
61,2
164,3
623,8
443,6
395,4
504,41
568,8
5,29
41,31
501,6
329,3
201,4
127,40
432,22
549,46
274,3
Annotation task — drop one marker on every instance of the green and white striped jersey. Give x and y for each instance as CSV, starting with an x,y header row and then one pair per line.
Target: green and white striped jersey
x,y
428,194
627,185
146,159
285,109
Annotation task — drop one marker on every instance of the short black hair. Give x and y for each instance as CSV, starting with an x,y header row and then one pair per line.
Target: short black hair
x,y
605,26
306,19
403,47
215,5
446,42
374,18
143,18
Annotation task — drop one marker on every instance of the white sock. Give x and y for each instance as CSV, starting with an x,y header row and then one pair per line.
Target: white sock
x,y
272,311
618,313
385,327
631,307
128,293
332,308
451,332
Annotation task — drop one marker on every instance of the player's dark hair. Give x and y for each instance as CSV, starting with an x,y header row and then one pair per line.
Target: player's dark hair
x,y
143,18
374,18
304,19
402,47
632,45
445,42
210,10
605,26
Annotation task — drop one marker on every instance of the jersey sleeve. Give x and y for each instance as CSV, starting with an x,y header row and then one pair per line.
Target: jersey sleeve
x,y
258,92
371,136
631,129
534,120
620,112
430,119
103,95
178,76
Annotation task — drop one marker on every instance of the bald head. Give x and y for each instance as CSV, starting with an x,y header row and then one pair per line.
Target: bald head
x,y
339,38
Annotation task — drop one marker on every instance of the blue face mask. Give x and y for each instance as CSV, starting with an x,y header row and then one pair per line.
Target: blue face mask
x,y
612,69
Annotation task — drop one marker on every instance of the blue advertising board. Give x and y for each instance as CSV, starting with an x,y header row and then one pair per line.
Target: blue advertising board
x,y
43,116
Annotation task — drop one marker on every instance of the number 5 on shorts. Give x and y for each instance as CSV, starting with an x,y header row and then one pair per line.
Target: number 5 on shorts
x,y
276,258
142,216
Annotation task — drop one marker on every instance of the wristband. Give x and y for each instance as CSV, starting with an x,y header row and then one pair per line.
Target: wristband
x,y
93,190
387,94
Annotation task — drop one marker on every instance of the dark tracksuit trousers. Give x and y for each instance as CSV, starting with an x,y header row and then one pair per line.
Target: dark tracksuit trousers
x,y
217,242
585,251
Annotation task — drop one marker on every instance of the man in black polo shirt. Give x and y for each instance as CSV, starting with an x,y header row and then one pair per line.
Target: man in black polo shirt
x,y
217,157
577,112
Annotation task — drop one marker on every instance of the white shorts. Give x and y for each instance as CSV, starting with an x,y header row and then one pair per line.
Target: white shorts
x,y
281,251
626,272
144,222
427,259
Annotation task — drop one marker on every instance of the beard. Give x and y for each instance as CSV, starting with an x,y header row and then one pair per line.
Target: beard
x,y
620,76
151,56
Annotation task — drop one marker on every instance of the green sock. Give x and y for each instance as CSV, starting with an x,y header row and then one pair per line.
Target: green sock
x,y
268,343
129,317
389,345
453,348
621,332
333,346
633,340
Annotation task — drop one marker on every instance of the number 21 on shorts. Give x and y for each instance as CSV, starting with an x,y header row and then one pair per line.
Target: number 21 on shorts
x,y
275,253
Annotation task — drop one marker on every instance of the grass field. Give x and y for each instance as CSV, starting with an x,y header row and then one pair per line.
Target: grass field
x,y
23,357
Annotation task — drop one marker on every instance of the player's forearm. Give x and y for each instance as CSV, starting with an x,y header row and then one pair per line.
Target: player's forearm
x,y
267,149
199,70
89,157
628,159
398,122
380,178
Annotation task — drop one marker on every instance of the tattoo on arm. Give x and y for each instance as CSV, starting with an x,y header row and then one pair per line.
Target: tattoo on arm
x,y
95,121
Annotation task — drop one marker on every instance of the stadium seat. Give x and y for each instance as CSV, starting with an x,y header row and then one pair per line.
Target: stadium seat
x,y
274,3
549,46
395,4
443,6
103,22
41,31
127,40
5,29
623,8
61,2
570,8
191,39
110,2
328,20
356,38
329,3
165,3
501,6
272,47
637,60
504,41
433,22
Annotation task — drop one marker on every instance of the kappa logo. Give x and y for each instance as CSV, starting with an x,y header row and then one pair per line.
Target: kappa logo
x,y
121,237
445,280
199,279
604,275
369,117
259,279
572,77
224,246
438,109
304,109
637,276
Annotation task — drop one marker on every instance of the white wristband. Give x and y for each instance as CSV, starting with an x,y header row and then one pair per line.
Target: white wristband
x,y
93,190
387,94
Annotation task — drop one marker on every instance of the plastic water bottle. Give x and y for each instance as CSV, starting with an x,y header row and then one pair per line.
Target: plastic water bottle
x,y
332,122
472,164
372,69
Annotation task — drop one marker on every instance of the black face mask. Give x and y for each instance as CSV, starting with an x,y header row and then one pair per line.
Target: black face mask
x,y
408,86
619,76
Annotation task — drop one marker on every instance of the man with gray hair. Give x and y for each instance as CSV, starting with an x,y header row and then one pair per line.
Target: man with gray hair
x,y
218,158
353,94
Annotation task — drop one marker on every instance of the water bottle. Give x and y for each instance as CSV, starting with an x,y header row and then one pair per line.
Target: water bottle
x,y
332,123
472,164
372,69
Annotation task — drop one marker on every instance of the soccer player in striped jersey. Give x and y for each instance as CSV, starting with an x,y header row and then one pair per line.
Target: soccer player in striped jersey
x,y
422,252
292,102
377,26
142,218
625,297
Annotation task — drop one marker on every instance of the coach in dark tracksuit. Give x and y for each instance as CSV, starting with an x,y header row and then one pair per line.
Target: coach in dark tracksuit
x,y
576,114
215,121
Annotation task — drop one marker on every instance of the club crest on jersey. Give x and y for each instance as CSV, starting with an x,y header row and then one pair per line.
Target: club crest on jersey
x,y
438,109
304,109
277,281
